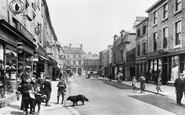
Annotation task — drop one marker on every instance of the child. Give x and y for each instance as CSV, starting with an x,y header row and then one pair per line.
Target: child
x,y
134,81
158,86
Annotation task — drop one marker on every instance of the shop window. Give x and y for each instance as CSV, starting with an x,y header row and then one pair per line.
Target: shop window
x,y
1,70
10,71
174,68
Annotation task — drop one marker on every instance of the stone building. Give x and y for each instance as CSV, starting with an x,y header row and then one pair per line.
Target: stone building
x,y
74,59
26,37
166,40
123,54
141,47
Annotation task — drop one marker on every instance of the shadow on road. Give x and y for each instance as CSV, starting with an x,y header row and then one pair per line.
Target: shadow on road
x,y
115,84
162,102
17,113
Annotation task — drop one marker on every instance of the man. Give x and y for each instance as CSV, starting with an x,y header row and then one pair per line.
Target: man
x,y
179,85
24,77
61,89
47,90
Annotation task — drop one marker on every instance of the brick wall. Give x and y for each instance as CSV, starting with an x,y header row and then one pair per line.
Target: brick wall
x,y
170,23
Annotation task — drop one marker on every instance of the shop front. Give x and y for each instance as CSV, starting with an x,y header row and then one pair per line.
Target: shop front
x,y
166,67
13,59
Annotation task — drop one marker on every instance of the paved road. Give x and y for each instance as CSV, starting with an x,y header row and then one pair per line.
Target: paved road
x,y
110,98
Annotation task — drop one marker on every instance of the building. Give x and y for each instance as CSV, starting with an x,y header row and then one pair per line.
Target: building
x,y
141,48
105,61
74,59
123,54
91,62
166,40
26,37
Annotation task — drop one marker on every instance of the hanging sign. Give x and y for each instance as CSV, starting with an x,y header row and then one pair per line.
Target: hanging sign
x,y
16,6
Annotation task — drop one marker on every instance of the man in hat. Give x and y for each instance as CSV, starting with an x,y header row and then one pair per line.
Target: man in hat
x,y
179,85
47,89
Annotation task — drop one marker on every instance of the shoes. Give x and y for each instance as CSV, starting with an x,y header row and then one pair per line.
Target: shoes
x,y
47,105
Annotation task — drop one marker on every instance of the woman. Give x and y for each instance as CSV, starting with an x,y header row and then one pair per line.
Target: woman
x,y
142,85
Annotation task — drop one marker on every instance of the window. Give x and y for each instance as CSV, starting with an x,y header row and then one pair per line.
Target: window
x,y
80,62
178,33
155,41
144,29
74,56
79,56
74,63
178,5
144,48
121,55
138,32
68,56
155,18
114,57
138,50
165,11
26,4
165,37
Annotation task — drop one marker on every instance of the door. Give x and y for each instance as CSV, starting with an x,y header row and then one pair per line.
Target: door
x,y
164,71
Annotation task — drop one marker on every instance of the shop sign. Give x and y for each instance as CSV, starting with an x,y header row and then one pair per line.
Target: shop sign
x,y
16,6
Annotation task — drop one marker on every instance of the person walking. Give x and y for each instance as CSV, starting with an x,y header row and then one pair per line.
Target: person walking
x,y
47,88
142,84
119,77
158,86
179,85
61,89
134,81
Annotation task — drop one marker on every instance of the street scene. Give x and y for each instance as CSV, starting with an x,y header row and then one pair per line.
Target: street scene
x,y
92,57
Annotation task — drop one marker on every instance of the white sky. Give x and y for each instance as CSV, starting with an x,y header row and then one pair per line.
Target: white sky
x,y
93,23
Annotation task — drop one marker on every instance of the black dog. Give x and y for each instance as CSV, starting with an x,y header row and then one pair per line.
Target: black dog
x,y
77,98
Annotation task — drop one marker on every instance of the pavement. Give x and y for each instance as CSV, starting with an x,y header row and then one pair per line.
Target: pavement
x,y
14,107
168,91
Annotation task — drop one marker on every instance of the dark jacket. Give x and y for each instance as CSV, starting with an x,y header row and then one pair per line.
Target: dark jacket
x,y
25,91
47,86
179,84
61,86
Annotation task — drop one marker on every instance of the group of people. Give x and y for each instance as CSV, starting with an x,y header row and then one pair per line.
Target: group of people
x,y
143,86
179,86
34,90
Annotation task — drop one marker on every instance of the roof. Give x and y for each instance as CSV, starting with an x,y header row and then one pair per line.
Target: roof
x,y
154,5
73,50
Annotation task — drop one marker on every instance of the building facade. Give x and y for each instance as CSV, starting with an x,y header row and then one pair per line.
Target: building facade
x,y
24,36
141,48
166,40
74,59
91,62
123,54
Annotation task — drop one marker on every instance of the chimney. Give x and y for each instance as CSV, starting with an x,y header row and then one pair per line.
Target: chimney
x,y
81,46
115,37
122,32
109,46
70,45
